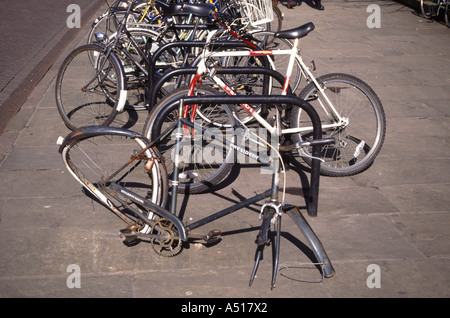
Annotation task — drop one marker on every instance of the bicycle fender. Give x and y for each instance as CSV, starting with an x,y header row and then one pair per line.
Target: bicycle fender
x,y
92,131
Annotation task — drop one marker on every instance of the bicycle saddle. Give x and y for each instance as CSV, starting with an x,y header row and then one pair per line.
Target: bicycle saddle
x,y
197,9
296,33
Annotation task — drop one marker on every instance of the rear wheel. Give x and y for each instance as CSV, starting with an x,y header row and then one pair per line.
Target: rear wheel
x,y
204,162
89,88
360,134
429,8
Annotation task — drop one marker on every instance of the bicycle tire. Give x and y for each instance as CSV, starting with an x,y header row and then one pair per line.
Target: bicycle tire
x,y
93,154
104,96
199,172
360,140
108,22
278,17
136,79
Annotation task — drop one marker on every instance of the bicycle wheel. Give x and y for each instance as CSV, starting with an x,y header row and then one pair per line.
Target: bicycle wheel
x,y
93,156
90,88
429,8
359,136
108,22
277,23
204,162
134,66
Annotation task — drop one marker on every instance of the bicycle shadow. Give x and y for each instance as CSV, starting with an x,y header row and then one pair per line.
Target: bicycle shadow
x,y
237,198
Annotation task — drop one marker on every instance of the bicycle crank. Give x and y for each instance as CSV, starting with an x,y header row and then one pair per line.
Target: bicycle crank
x,y
168,243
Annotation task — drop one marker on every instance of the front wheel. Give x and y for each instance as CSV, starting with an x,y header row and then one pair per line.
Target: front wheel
x,y
90,87
359,132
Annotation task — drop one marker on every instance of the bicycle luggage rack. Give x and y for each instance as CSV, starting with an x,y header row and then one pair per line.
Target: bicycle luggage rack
x,y
293,211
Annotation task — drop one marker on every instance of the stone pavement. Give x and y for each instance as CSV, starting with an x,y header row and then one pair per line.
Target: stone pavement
x,y
395,215
34,35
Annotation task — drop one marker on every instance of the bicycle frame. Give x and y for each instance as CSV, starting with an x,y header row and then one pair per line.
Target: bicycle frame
x,y
329,109
183,231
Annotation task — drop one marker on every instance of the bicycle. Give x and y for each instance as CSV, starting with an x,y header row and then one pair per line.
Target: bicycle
x,y
123,170
113,73
431,9
121,86
350,111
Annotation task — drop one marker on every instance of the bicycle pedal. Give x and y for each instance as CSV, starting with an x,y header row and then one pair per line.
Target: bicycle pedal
x,y
128,235
213,236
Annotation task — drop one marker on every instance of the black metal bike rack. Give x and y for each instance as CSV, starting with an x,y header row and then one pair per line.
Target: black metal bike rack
x,y
154,84
311,199
293,211
226,70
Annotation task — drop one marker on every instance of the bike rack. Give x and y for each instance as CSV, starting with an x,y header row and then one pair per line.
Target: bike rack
x,y
227,70
266,100
312,201
153,85
292,211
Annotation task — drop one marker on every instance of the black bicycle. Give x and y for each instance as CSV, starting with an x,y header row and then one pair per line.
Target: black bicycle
x,y
124,171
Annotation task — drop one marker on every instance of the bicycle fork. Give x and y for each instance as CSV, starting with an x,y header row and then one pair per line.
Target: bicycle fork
x,y
271,213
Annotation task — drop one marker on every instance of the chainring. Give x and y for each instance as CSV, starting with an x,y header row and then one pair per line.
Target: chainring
x,y
171,244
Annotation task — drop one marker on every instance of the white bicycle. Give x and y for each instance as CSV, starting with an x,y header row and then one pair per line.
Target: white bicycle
x,y
349,109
